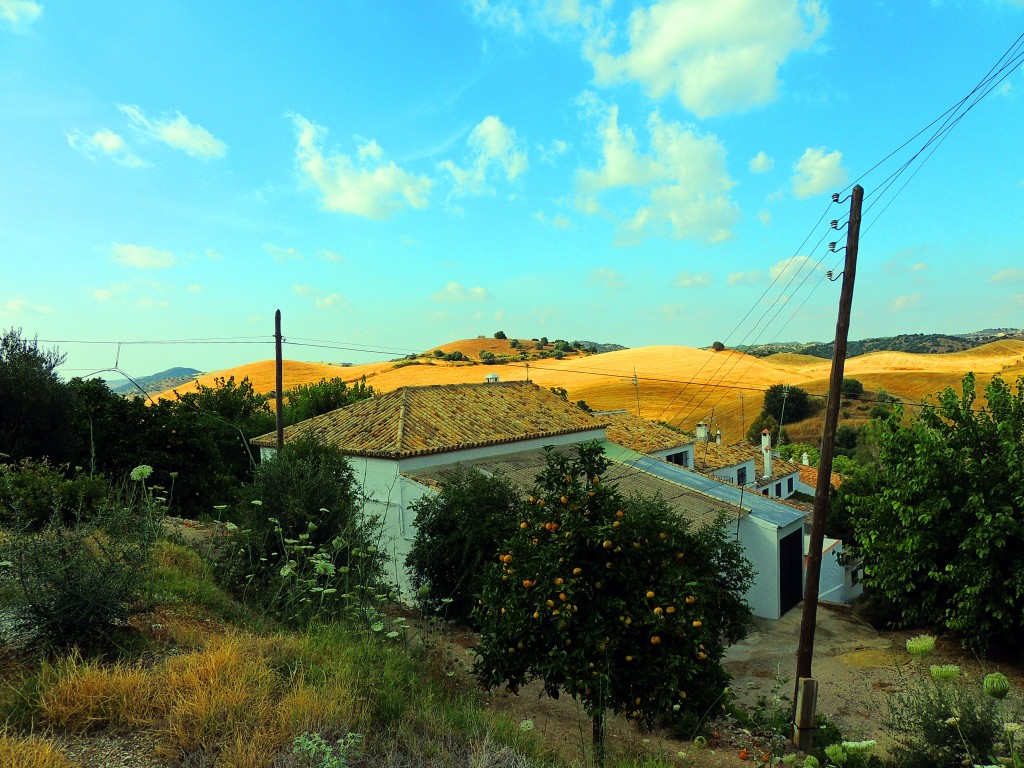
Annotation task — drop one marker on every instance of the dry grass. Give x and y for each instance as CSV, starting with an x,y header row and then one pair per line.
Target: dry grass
x,y
30,752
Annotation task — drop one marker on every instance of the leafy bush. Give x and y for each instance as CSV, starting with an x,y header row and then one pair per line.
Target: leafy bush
x,y
33,492
458,531
852,388
78,584
303,544
763,422
500,335
786,403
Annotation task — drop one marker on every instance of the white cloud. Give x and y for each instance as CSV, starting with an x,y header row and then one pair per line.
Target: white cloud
x,y
104,143
905,302
176,132
493,147
210,253
282,255
764,217
20,306
20,13
195,288
794,268
683,177
141,256
919,267
370,187
328,255
761,163
455,292
687,279
554,150
148,302
558,221
1008,275
817,172
715,57
607,278
320,299
753,277
499,14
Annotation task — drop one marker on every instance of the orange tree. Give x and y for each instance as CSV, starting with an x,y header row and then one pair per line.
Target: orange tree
x,y
616,602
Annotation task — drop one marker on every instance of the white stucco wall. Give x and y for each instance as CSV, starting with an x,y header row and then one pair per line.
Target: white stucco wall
x,y
837,583
761,546
729,473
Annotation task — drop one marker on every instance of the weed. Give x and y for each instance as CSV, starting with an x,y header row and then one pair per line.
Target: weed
x,y
30,753
324,754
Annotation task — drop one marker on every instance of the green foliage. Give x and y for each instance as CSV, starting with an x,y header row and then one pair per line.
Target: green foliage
x,y
34,492
308,400
846,437
487,357
455,357
326,755
438,353
852,388
611,601
880,412
458,531
500,335
78,584
539,344
718,346
795,452
938,521
303,533
947,723
38,414
844,465
763,422
514,344
796,402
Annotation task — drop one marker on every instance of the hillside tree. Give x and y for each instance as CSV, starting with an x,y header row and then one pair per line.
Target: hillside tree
x,y
938,520
794,400
614,602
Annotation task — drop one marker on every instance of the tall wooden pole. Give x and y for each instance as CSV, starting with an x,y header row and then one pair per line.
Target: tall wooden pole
x,y
805,651
279,375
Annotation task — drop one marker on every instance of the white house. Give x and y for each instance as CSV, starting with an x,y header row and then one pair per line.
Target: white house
x,y
400,444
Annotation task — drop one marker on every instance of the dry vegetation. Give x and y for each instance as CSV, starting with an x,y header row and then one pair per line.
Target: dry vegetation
x,y
678,384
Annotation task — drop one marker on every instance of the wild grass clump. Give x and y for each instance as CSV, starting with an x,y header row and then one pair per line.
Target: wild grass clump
x,y
30,752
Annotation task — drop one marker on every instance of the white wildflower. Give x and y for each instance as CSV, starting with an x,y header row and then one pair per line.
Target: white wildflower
x,y
141,472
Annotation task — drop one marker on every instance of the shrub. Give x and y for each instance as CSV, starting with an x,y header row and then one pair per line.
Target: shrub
x,y
32,492
78,584
458,532
500,335
786,403
852,388
718,346
943,720
303,543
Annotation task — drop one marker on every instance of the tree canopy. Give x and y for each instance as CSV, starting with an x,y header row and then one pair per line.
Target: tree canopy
x,y
795,402
938,520
616,602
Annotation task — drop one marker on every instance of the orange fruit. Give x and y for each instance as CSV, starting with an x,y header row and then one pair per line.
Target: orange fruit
x,y
565,500
650,594
577,571
620,513
559,581
527,583
696,623
607,544
671,609
615,524
523,526
690,599
550,603
656,640
629,658
658,610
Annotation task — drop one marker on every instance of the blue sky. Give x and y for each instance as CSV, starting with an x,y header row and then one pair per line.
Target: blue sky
x,y
394,175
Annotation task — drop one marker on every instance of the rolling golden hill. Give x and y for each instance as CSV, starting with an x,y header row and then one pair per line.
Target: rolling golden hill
x,y
681,385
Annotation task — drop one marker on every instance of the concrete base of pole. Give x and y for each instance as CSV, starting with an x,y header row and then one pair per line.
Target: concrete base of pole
x,y
806,706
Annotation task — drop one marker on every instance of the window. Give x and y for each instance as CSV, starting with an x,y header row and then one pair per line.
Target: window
x,y
778,489
789,485
741,476
682,458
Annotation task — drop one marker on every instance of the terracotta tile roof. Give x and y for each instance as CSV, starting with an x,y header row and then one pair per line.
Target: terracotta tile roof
x,y
640,435
809,476
721,456
522,468
709,456
414,421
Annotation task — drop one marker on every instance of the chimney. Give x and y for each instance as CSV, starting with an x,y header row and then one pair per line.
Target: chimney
x,y
766,449
805,459
702,432
718,437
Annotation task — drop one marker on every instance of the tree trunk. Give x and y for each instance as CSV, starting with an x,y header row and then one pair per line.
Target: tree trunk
x,y
598,722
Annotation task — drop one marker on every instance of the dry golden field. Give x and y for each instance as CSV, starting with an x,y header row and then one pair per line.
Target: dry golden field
x,y
682,385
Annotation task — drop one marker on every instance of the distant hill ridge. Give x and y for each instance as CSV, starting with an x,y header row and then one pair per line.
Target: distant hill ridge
x,y
917,343
156,382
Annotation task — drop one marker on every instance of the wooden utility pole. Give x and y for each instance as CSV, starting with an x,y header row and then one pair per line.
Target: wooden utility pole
x,y
803,731
279,374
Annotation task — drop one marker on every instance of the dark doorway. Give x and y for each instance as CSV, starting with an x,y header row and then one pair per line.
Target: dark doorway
x,y
791,570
